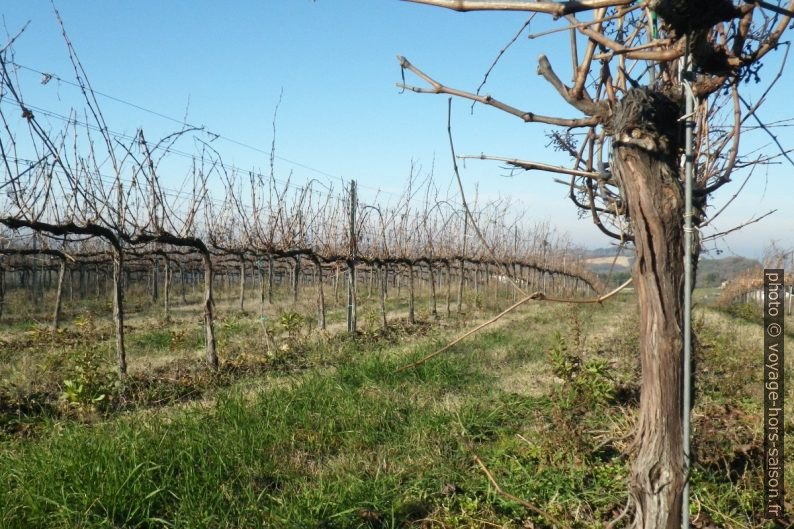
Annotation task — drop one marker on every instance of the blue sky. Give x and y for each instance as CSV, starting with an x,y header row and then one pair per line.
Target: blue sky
x,y
341,112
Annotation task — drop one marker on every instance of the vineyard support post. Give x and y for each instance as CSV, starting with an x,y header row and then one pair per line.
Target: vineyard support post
x,y
2,287
462,264
270,279
351,263
296,272
688,175
56,315
242,283
118,309
320,294
411,311
432,281
383,282
167,287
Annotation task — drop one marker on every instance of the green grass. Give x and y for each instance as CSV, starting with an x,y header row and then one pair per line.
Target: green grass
x,y
334,437
150,341
330,448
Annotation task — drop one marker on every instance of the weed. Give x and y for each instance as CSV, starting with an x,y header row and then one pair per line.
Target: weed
x,y
586,382
292,323
749,311
90,381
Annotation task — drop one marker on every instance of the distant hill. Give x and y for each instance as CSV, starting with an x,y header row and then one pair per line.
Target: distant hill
x,y
621,261
712,272
602,262
606,252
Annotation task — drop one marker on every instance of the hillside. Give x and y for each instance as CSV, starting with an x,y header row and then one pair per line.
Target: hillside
x,y
712,272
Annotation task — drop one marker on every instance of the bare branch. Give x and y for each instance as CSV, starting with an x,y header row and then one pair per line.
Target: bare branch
x,y
529,166
499,56
591,108
529,117
739,227
553,519
557,9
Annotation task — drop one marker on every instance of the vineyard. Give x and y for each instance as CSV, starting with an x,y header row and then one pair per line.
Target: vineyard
x,y
67,217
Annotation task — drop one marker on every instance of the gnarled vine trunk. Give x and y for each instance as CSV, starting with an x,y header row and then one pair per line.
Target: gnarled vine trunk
x,y
167,287
449,288
262,295
296,273
56,313
411,311
118,310
209,327
320,294
644,161
242,283
384,273
432,281
270,265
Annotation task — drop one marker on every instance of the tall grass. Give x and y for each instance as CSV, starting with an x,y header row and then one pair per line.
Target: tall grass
x,y
322,451
351,443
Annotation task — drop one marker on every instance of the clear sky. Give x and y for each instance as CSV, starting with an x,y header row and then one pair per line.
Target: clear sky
x,y
341,116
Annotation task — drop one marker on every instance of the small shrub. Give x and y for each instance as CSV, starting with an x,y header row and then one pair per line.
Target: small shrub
x,y
371,320
585,382
583,399
746,311
292,323
90,379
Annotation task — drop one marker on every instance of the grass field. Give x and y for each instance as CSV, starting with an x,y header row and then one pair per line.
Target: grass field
x,y
323,432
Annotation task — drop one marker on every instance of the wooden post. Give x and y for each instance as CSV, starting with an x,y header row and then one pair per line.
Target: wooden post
x,y
515,258
33,277
477,279
462,265
81,272
296,272
167,287
155,280
262,293
320,295
209,328
182,281
384,281
118,310
118,289
71,285
56,316
449,287
411,314
432,279
270,279
351,263
336,285
242,283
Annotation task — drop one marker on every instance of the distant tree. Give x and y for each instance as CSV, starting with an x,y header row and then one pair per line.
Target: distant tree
x,y
629,83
